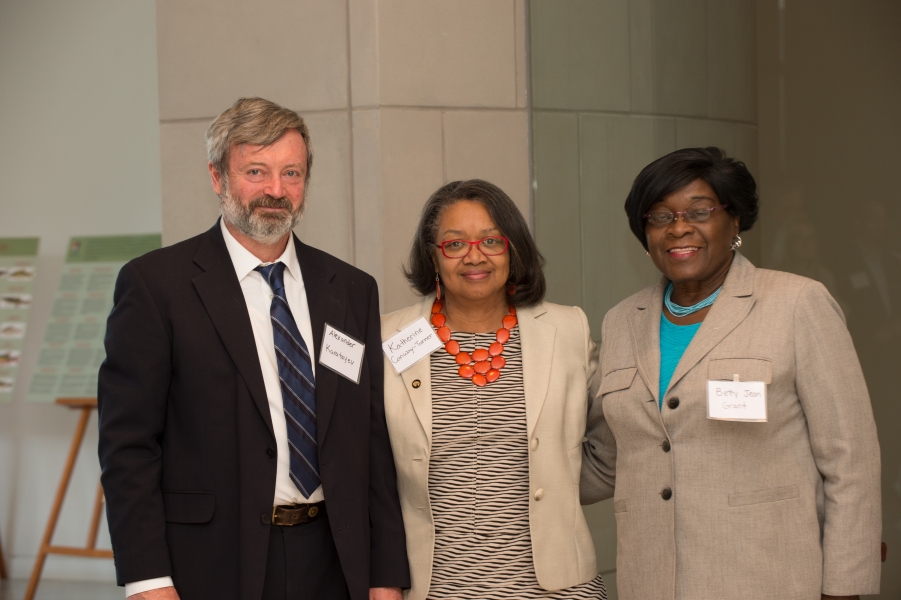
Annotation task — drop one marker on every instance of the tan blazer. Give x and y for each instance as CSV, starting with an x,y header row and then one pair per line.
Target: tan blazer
x,y
559,368
750,501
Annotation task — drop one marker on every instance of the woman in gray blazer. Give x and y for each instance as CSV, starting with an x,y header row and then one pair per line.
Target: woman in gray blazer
x,y
732,426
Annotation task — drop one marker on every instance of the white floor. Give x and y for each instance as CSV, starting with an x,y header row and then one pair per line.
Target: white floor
x,y
14,589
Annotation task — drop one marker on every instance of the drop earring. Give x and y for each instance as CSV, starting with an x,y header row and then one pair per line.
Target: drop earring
x,y
437,287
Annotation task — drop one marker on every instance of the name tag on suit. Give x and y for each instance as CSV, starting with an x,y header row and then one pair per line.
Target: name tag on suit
x,y
736,400
411,345
341,353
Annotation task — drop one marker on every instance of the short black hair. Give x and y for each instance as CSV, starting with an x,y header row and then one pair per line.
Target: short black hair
x,y
730,179
526,262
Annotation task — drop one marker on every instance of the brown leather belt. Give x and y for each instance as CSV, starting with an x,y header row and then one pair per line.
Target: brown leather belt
x,y
288,515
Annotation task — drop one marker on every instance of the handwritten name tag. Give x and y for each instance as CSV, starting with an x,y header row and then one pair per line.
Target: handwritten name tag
x,y
736,401
411,345
342,353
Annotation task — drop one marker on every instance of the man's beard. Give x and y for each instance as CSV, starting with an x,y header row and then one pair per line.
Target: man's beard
x,y
263,228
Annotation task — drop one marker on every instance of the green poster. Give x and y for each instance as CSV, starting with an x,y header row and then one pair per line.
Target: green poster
x,y
18,257
72,349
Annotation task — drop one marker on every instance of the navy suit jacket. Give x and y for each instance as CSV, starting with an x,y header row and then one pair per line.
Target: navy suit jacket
x,y
186,441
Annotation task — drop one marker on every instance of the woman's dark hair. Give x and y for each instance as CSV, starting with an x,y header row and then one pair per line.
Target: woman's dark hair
x,y
730,179
526,262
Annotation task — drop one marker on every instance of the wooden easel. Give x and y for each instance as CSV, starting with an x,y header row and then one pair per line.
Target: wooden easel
x,y
86,405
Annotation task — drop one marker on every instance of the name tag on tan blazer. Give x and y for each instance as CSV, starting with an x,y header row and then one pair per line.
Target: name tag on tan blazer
x,y
736,400
411,345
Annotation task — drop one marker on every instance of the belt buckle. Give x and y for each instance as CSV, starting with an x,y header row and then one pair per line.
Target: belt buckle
x,y
312,510
280,520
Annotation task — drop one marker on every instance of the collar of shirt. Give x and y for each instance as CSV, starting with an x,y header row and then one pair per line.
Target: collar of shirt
x,y
245,262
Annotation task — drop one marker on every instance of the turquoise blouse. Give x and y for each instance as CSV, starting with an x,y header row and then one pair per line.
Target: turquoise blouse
x,y
674,339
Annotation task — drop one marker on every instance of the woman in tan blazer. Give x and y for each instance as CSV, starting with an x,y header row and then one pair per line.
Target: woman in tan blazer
x,y
732,427
487,430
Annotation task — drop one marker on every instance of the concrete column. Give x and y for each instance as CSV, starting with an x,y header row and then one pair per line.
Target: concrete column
x,y
400,97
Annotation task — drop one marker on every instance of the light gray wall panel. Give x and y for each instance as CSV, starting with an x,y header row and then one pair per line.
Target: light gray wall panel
x,y
412,169
699,133
669,57
489,145
557,214
328,223
439,53
732,60
212,52
580,54
190,205
613,149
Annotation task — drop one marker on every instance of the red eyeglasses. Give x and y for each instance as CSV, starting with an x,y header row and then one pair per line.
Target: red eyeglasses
x,y
489,246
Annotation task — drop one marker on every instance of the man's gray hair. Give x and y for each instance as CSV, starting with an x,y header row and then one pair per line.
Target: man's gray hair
x,y
252,121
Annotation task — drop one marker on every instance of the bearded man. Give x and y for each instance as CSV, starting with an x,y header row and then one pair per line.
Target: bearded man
x,y
234,463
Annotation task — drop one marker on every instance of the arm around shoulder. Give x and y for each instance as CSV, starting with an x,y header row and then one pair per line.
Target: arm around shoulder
x,y
591,355
598,477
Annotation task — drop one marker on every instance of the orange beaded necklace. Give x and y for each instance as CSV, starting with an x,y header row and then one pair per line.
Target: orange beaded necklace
x,y
482,366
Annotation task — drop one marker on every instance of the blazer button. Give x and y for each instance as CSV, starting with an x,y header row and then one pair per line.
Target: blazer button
x,y
270,452
539,494
672,402
416,384
266,518
665,445
533,445
666,494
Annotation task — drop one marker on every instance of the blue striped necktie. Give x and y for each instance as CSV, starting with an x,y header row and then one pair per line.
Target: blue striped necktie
x,y
295,372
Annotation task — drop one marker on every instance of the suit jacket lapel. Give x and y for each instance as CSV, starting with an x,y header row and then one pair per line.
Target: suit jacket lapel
x,y
223,299
328,304
420,397
731,307
537,359
645,328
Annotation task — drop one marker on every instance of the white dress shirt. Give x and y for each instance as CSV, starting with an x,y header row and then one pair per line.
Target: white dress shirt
x,y
258,296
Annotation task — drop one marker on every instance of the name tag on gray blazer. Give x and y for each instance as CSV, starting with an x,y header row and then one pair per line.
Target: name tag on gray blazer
x,y
736,400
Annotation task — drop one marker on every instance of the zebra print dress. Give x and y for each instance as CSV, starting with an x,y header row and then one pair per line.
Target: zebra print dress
x,y
479,484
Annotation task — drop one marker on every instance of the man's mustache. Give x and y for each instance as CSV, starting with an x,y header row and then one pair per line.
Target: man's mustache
x,y
268,201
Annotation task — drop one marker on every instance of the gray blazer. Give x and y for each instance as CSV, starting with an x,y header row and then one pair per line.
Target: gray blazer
x,y
785,509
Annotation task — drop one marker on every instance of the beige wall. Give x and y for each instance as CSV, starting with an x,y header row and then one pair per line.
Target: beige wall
x,y
400,97
829,92
617,84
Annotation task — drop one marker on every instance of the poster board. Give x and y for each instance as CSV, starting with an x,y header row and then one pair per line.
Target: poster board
x,y
18,259
72,349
